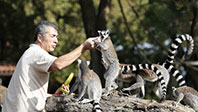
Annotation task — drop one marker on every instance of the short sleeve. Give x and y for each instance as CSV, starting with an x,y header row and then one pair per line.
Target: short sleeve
x,y
44,61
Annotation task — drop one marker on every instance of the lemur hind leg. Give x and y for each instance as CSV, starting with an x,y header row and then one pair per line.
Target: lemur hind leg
x,y
110,76
114,85
74,87
86,100
82,93
179,99
157,89
138,85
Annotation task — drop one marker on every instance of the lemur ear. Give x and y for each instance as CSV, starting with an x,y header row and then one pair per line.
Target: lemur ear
x,y
99,32
108,31
79,60
88,63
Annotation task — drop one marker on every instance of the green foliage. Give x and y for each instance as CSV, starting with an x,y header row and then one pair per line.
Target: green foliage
x,y
158,19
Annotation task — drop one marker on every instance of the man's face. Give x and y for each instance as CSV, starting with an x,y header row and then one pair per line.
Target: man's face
x,y
50,40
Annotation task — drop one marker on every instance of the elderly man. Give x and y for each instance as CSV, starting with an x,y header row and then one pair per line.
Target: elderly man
x,y
27,90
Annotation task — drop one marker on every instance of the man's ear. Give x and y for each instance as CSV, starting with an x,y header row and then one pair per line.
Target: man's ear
x,y
39,38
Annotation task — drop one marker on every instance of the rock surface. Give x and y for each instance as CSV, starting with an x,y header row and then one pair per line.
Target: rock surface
x,y
116,102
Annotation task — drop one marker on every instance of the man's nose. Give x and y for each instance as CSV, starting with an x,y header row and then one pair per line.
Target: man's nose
x,y
56,40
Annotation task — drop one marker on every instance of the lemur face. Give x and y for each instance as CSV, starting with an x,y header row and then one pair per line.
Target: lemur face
x,y
104,34
83,61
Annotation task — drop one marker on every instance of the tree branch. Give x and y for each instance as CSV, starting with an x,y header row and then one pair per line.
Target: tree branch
x,y
188,64
194,22
130,33
146,28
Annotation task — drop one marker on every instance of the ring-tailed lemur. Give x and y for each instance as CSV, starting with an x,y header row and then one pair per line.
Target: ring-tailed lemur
x,y
109,60
147,75
165,67
111,63
188,95
88,82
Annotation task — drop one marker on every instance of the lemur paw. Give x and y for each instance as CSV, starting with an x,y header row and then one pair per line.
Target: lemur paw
x,y
96,41
124,89
162,99
127,89
105,94
75,99
174,103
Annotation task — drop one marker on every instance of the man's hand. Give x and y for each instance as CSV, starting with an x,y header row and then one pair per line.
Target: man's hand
x,y
58,92
89,44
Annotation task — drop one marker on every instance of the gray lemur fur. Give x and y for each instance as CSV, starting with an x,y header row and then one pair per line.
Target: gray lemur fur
x,y
141,77
166,67
87,83
109,60
188,95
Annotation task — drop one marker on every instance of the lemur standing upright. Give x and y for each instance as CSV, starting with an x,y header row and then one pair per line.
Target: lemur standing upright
x,y
111,63
109,59
165,67
87,83
188,95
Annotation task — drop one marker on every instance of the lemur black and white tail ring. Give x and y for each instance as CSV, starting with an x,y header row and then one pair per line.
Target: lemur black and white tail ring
x,y
176,43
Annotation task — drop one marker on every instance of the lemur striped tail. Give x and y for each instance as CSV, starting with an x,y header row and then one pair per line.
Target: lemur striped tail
x,y
178,41
171,69
133,68
171,54
96,107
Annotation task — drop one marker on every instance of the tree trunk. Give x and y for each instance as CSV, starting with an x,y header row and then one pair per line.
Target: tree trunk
x,y
192,75
92,23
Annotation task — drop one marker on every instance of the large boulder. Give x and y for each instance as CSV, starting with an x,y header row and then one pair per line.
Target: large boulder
x,y
115,102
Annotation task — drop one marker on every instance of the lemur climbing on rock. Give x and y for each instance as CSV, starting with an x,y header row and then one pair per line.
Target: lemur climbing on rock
x,y
188,95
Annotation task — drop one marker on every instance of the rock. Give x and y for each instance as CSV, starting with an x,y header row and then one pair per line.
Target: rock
x,y
114,102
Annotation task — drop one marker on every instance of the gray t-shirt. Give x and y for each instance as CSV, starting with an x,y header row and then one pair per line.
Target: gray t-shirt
x,y
27,90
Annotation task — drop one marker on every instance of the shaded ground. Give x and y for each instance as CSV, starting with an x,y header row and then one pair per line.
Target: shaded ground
x,y
116,102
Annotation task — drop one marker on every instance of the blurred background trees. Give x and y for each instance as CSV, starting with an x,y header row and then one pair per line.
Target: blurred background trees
x,y
141,30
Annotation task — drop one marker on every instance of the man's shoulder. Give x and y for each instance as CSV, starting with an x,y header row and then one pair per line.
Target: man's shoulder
x,y
36,49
